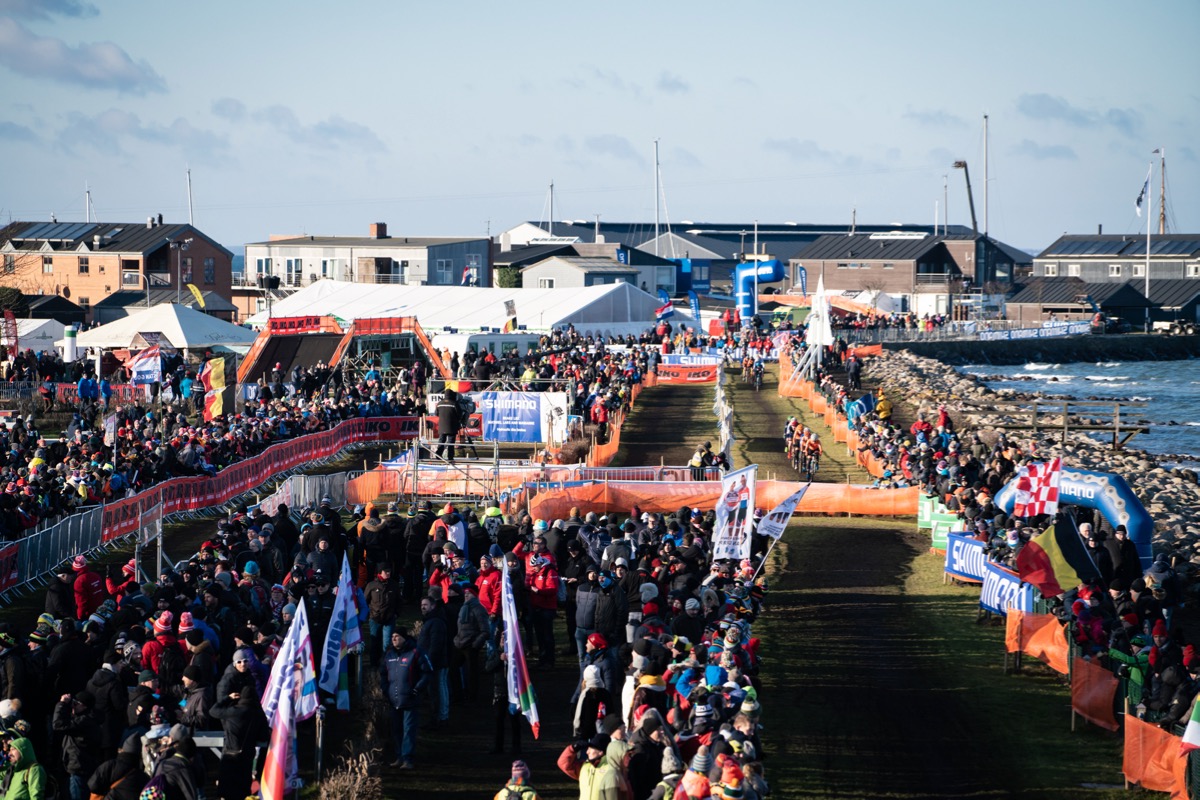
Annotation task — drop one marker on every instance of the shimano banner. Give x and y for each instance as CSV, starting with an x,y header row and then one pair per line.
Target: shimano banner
x,y
512,416
1002,590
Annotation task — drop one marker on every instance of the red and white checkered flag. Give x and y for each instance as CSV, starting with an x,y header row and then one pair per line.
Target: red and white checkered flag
x,y
1037,489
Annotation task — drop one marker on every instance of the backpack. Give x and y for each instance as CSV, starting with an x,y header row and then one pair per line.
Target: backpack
x,y
170,668
156,789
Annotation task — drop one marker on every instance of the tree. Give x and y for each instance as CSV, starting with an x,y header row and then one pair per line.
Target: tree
x,y
875,285
11,299
508,277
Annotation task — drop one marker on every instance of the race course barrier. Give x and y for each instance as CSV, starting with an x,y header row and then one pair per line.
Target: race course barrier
x,y
1039,635
1152,758
820,498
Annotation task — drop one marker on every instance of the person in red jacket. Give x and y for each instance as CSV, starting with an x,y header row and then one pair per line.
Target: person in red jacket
x,y
118,587
89,588
164,637
542,581
488,581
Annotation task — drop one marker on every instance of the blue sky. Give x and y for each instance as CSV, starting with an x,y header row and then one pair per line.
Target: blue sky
x,y
448,118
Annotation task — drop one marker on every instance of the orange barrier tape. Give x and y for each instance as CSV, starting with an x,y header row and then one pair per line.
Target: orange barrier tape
x,y
1092,690
821,498
1152,759
1039,635
867,350
841,430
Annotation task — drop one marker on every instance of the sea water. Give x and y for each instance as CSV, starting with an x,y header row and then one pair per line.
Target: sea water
x,y
1170,390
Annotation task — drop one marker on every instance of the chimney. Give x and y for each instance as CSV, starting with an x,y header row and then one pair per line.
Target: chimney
x,y
506,242
379,230
96,242
149,223
1100,229
160,219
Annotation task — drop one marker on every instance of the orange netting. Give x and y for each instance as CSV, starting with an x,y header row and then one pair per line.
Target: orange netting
x,y
1039,635
821,498
1152,758
1092,690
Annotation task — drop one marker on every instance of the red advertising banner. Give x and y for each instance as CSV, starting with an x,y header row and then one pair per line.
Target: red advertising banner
x,y
473,428
190,494
672,373
294,324
9,575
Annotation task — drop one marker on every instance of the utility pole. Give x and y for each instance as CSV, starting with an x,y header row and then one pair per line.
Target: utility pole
x,y
1162,191
656,197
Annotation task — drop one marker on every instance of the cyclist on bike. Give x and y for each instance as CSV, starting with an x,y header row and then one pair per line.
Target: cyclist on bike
x,y
758,371
812,454
747,367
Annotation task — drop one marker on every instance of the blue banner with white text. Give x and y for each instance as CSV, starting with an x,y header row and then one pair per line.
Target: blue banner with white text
x,y
511,416
1002,590
964,558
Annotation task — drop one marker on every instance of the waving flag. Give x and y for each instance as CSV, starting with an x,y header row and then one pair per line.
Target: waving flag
x,y
664,312
274,783
1037,488
774,523
511,325
1191,735
212,377
694,303
861,406
1137,204
294,667
520,688
1057,560
146,367
343,636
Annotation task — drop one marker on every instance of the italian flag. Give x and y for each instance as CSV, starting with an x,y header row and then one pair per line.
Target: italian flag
x,y
1191,736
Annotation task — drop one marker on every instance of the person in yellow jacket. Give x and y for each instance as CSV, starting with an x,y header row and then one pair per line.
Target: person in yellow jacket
x,y
883,407
599,774
518,787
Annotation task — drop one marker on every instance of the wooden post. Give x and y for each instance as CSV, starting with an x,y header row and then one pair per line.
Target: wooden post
x,y
1034,420
1066,425
1116,426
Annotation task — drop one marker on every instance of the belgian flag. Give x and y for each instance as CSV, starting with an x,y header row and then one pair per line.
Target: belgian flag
x,y
1057,560
511,325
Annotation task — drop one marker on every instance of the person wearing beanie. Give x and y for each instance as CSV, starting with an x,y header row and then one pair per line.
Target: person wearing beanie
x,y
597,653
121,777
244,725
690,624
75,720
694,782
672,768
518,786
89,588
643,764
119,581
383,603
198,698
593,699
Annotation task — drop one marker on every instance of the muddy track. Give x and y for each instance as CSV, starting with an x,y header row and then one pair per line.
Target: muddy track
x,y
666,426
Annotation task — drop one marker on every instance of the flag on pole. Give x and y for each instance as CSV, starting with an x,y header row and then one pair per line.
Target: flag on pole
x,y
146,366
1191,735
212,377
293,666
773,523
511,325
1037,488
1137,205
665,311
275,766
196,294
1056,560
694,302
343,636
520,687
735,513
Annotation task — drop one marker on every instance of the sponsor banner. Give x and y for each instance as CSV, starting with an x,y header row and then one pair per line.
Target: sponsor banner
x,y
68,393
1072,329
192,494
9,576
1003,590
735,514
680,360
512,416
294,324
668,373
965,558
774,523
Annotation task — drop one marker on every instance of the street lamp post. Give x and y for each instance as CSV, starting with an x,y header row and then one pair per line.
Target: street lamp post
x,y
178,245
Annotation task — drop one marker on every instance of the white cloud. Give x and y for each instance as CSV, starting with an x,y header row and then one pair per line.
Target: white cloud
x,y
94,65
108,131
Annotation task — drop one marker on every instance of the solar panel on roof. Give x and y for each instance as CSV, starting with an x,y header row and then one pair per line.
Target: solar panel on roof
x,y
59,230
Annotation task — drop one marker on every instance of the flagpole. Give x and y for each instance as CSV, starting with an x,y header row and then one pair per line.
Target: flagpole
x,y
1149,193
762,563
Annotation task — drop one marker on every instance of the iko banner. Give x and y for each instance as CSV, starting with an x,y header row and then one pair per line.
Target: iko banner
x,y
735,513
669,373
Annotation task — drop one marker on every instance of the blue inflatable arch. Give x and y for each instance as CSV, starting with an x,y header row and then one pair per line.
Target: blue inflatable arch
x,y
1105,492
770,271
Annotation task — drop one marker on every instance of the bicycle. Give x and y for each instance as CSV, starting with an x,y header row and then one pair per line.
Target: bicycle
x,y
812,463
758,376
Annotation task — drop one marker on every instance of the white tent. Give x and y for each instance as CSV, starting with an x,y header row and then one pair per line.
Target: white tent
x,y
615,308
881,302
183,327
39,334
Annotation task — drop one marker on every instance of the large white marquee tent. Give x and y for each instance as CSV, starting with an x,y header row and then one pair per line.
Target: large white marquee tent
x,y
610,309
183,327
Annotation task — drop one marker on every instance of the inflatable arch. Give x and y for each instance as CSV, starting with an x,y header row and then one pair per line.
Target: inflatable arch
x,y
1107,493
770,271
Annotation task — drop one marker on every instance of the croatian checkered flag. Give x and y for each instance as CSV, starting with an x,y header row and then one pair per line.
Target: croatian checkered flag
x,y
1037,489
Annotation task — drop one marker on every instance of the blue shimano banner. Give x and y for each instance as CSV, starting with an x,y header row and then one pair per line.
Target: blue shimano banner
x,y
511,416
689,360
1002,590
964,557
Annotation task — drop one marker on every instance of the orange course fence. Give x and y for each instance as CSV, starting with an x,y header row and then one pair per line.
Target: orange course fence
x,y
1092,691
820,498
1152,758
1039,635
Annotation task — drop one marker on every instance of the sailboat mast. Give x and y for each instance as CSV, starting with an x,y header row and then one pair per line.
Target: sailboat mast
x,y
552,207
985,176
87,203
1162,191
656,197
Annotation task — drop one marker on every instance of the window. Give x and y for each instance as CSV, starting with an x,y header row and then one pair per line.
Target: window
x,y
1139,270
327,264
545,283
1072,270
84,267
186,269
132,279
1114,270
10,263
47,265
263,266
1193,270
888,265
1051,270
85,303
295,267
210,271
445,271
260,305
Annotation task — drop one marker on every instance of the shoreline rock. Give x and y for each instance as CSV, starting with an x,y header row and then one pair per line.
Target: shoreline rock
x,y
1170,494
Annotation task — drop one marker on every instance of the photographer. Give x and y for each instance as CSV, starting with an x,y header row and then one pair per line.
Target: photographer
x,y
448,416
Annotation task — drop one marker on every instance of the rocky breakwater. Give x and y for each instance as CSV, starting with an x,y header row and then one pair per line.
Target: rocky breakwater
x,y
1170,495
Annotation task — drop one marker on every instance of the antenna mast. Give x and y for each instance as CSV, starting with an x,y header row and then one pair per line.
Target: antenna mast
x,y
87,203
189,188
656,197
552,207
1162,192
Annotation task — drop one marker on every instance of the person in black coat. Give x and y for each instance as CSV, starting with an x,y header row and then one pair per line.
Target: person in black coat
x,y
112,702
121,778
73,718
60,595
448,417
245,725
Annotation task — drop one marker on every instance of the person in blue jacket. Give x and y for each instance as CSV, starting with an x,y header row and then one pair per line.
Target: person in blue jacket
x,y
402,676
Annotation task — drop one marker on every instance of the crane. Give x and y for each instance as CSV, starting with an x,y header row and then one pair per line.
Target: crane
x,y
970,197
